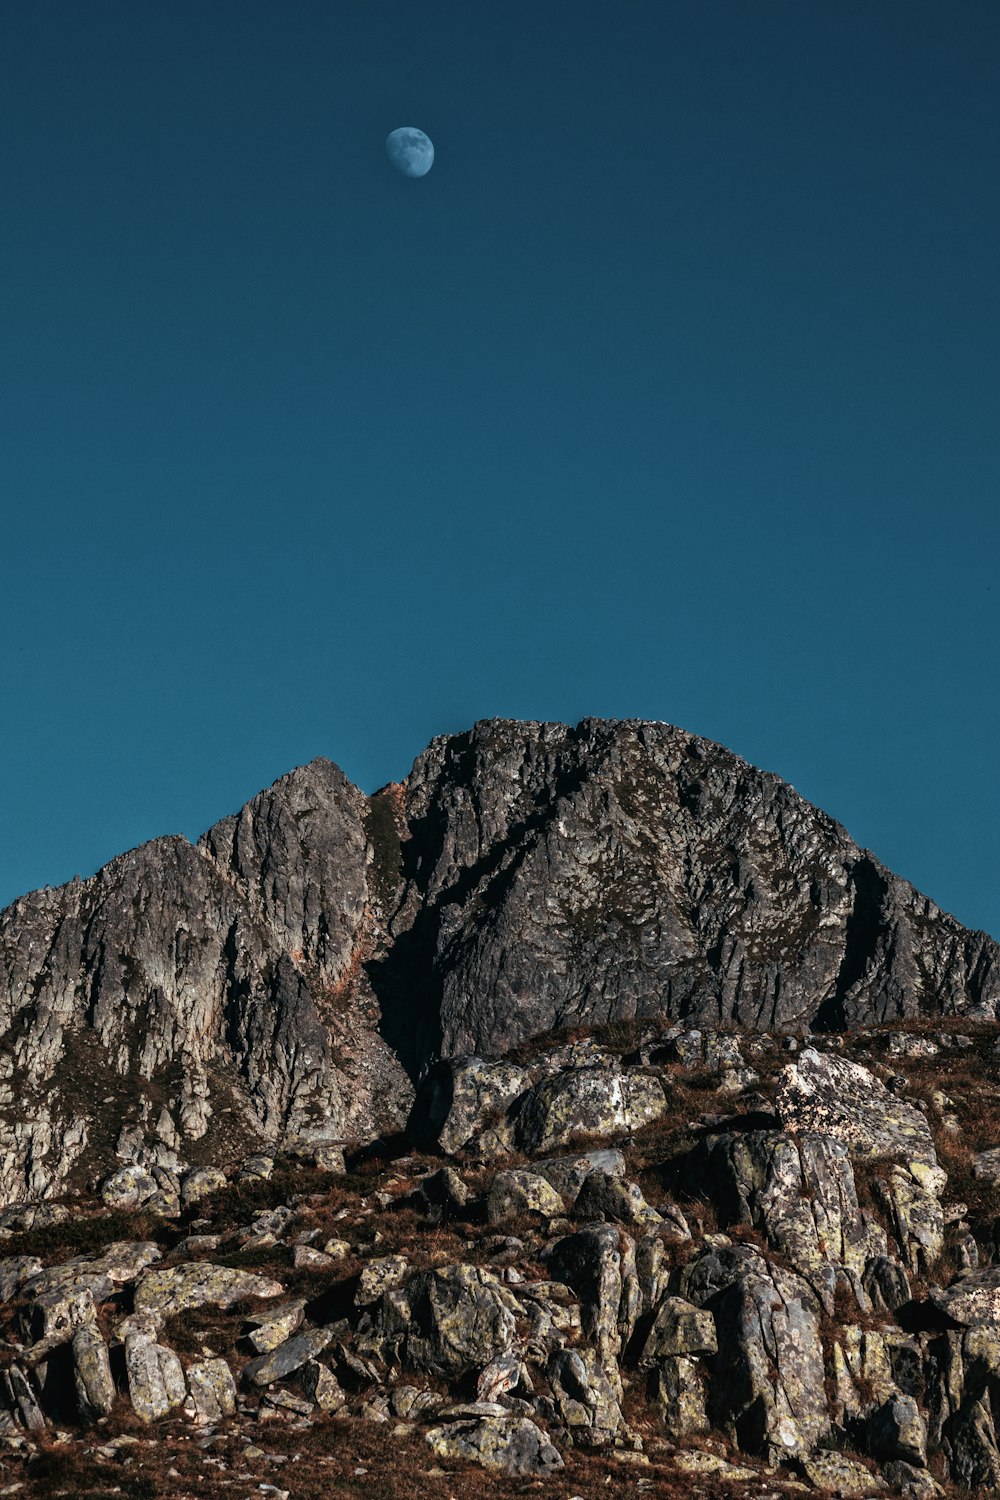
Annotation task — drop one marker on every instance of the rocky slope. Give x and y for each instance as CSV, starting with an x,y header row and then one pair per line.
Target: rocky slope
x,y
588,1108
291,975
671,1258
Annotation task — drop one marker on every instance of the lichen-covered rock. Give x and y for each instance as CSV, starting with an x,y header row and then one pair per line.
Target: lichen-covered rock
x,y
95,1388
459,1097
378,1275
604,1196
180,1288
679,1328
18,1396
508,1444
518,1192
767,1379
585,1101
587,1397
156,1383
798,1190
211,1391
130,1187
897,1431
567,1174
200,1183
287,1357
971,1300
832,1096
837,1474
447,1322
321,1386
599,1264
281,1323
441,1196
680,1394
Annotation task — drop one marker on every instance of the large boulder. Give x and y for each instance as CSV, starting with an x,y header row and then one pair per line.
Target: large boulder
x,y
799,1191
506,1444
972,1300
832,1096
587,1398
287,1357
95,1387
446,1322
599,1264
515,1193
767,1379
156,1381
459,1097
585,1101
180,1288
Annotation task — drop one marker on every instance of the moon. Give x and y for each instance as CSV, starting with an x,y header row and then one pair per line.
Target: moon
x,y
410,151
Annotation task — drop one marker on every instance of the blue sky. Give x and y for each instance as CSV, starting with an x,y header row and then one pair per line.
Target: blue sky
x,y
671,391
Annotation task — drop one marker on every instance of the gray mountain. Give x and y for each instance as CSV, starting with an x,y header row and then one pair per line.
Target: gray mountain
x,y
287,978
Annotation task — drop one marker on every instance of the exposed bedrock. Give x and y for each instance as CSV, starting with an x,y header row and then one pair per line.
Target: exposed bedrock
x,y
288,978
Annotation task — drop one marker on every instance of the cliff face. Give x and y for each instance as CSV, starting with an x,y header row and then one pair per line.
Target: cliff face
x,y
556,876
285,979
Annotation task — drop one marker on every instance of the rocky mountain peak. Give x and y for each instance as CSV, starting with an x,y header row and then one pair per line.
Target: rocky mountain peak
x,y
585,1103
295,973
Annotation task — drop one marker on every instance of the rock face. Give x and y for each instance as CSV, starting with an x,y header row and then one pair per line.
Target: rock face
x,y
288,978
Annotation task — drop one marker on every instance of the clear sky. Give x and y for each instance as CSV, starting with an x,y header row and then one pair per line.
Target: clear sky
x,y
672,391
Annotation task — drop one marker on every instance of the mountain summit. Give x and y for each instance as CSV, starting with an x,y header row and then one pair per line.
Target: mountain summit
x,y
293,974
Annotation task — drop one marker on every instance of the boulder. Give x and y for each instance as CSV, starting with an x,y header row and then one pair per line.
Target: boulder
x,y
567,1174
211,1391
508,1444
585,1101
679,1328
679,1392
288,1357
767,1380
200,1183
838,1475
281,1323
130,1187
459,1097
177,1289
95,1387
156,1382
599,1264
897,1431
446,1322
833,1096
972,1300
515,1193
587,1397
798,1190
604,1196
